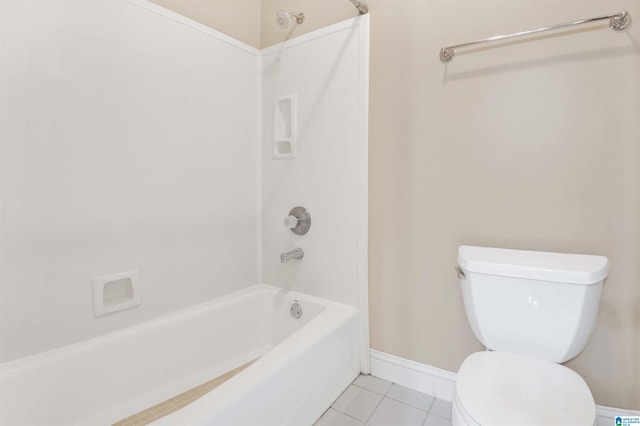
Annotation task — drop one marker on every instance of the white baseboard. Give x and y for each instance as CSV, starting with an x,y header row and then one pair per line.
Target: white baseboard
x,y
413,375
612,412
440,383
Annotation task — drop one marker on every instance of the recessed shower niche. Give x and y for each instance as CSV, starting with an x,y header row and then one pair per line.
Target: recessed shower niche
x,y
285,126
112,293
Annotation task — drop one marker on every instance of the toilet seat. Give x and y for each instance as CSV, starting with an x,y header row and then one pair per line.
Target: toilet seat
x,y
504,388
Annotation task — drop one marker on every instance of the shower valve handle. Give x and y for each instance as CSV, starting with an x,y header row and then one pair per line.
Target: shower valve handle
x,y
298,221
291,221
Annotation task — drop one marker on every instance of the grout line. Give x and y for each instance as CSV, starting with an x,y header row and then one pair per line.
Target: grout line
x,y
348,415
375,409
366,422
433,401
412,406
385,394
340,396
362,387
424,423
433,398
435,415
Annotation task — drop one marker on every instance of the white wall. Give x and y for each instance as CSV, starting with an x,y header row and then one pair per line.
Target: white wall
x,y
128,142
328,70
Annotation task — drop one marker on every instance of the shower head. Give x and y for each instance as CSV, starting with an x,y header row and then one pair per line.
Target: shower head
x,y
362,8
283,18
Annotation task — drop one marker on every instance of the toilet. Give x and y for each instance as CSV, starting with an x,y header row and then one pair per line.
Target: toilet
x,y
532,311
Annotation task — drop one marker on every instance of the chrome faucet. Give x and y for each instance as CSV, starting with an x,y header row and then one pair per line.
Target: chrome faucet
x,y
293,254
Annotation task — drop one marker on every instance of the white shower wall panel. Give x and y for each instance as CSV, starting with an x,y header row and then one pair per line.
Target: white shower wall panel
x,y
328,72
129,142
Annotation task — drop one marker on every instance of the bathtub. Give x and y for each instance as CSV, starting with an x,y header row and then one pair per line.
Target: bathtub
x,y
302,366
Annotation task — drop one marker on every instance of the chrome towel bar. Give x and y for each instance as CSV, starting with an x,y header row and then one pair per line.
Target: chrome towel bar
x,y
617,22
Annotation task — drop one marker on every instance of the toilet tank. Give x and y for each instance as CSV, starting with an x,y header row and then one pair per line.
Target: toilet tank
x,y
537,303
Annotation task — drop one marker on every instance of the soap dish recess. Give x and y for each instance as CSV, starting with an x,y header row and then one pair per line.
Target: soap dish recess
x,y
285,118
115,292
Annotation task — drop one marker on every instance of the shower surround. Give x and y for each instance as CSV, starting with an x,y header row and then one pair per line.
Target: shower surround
x,y
139,140
104,380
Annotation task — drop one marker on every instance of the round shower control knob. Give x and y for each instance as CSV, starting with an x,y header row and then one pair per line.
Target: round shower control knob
x,y
291,221
298,220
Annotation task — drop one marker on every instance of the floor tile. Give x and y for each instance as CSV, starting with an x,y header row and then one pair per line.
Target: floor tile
x,y
410,397
392,412
433,420
373,384
357,402
441,408
336,418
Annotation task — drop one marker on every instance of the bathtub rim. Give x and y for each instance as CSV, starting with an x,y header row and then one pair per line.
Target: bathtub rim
x,y
328,313
334,316
16,366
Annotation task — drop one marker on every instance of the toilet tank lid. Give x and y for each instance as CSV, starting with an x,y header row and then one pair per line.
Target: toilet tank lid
x,y
537,265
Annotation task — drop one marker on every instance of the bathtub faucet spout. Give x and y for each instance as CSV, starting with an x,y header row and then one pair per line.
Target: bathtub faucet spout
x,y
290,255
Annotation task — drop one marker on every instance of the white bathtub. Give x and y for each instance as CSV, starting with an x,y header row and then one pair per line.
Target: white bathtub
x,y
304,365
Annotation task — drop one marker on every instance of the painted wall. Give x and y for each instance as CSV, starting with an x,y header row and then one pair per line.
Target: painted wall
x,y
327,71
530,146
129,140
238,18
317,14
252,21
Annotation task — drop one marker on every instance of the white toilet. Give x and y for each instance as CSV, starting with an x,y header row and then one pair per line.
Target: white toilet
x,y
532,311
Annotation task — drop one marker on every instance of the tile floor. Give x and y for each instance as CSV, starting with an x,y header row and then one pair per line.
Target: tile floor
x,y
375,402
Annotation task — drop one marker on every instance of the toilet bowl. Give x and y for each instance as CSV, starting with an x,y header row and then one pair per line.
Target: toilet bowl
x,y
532,311
505,388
